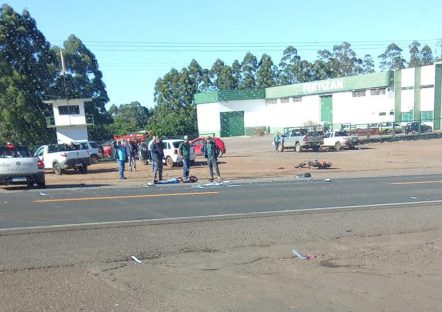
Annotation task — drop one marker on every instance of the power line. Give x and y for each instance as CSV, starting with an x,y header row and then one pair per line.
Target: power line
x,y
263,44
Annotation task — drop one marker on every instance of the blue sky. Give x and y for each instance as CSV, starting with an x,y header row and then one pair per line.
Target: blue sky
x,y
136,42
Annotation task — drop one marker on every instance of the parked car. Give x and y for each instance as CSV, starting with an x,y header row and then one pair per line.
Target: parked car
x,y
339,139
300,139
60,157
388,127
171,157
416,127
18,166
198,142
95,150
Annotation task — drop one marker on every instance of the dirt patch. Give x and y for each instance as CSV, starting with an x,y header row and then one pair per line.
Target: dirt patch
x,y
253,157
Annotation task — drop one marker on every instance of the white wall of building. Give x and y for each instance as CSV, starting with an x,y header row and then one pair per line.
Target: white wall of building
x,y
209,114
208,118
407,100
69,134
293,113
428,75
407,77
349,109
67,120
427,99
254,111
427,94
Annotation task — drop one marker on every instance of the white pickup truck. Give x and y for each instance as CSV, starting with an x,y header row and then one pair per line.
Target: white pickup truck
x,y
60,157
95,151
339,139
17,166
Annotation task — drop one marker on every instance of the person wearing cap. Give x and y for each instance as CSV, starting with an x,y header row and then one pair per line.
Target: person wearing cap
x,y
184,153
157,154
211,151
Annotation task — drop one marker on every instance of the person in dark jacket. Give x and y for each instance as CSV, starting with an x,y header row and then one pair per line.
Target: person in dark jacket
x,y
184,153
132,153
157,153
211,151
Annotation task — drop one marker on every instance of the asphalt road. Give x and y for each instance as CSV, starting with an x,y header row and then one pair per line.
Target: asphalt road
x,y
112,205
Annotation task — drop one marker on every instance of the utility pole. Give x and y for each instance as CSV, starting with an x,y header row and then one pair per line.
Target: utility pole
x,y
63,73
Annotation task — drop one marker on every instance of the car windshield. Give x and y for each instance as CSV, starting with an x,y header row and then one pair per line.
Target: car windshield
x,y
17,152
176,144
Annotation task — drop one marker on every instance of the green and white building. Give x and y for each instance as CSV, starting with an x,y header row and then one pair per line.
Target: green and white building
x,y
400,96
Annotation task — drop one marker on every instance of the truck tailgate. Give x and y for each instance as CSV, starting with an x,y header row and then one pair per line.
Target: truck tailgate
x,y
18,166
77,154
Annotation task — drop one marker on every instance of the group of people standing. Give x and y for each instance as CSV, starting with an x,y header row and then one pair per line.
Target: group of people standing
x,y
126,152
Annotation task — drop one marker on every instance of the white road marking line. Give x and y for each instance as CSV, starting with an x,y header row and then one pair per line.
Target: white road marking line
x,y
230,215
415,182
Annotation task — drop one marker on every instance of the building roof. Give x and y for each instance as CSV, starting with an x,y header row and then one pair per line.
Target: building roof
x,y
368,81
231,95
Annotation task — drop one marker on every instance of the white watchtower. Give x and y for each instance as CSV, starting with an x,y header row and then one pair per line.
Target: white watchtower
x,y
70,119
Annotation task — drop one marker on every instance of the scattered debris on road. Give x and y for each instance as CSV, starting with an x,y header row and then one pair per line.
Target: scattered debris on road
x,y
136,259
319,164
216,183
301,256
327,180
304,175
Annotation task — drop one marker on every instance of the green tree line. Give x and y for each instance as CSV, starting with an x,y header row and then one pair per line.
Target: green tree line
x,y
30,73
175,90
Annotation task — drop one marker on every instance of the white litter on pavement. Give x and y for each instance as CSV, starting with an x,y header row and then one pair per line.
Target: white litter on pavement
x,y
43,194
297,254
136,259
215,183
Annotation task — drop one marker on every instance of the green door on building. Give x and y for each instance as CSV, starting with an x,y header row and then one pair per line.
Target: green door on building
x,y
232,124
327,109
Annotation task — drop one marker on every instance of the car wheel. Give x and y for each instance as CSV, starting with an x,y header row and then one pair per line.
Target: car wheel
x,y
94,159
338,146
315,148
57,169
31,184
298,147
169,162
